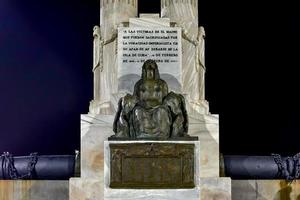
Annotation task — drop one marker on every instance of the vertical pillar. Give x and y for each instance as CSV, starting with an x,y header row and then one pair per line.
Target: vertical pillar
x,y
112,14
185,14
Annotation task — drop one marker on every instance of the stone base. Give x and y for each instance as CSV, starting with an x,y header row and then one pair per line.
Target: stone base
x,y
86,189
149,194
265,189
215,188
34,190
210,189
95,129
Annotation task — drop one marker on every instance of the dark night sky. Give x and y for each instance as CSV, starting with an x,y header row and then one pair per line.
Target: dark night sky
x,y
252,52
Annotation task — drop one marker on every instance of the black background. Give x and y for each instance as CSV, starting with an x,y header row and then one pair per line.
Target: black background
x,y
252,60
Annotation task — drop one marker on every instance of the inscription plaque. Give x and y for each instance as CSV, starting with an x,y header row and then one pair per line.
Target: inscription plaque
x,y
152,165
136,45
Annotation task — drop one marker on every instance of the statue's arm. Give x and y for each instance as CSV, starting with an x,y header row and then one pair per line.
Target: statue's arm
x,y
184,114
118,122
113,38
115,33
176,104
121,125
185,36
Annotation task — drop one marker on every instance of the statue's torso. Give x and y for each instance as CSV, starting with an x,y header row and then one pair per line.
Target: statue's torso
x,y
151,123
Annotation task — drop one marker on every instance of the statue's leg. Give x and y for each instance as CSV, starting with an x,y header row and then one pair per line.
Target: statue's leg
x,y
138,121
163,119
122,127
177,127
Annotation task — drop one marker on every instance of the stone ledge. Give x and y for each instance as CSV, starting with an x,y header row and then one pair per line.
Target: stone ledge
x,y
265,189
34,190
210,189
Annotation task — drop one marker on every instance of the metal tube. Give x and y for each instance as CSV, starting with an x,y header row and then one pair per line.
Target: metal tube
x,y
261,167
51,167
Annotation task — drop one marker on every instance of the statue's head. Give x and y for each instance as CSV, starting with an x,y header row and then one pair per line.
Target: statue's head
x,y
150,70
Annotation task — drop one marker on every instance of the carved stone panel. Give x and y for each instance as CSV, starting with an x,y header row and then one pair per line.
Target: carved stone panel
x,y
152,165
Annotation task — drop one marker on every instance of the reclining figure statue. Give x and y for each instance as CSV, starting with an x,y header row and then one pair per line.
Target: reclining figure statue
x,y
151,112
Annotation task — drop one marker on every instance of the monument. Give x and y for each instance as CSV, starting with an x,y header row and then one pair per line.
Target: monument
x,y
149,133
139,139
151,113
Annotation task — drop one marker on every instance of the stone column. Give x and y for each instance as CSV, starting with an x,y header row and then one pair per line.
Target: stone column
x,y
113,13
184,13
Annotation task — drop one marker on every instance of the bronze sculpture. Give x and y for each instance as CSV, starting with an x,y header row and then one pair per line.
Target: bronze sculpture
x,y
152,112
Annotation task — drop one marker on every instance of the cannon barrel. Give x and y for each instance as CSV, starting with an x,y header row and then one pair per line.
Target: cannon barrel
x,y
62,167
262,167
45,167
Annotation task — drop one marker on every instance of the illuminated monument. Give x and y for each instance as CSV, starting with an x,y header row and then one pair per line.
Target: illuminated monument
x,y
143,146
122,44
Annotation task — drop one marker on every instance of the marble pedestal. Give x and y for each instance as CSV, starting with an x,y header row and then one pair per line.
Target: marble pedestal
x,y
95,129
210,189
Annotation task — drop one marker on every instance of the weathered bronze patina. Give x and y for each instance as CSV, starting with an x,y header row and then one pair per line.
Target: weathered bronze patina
x,y
152,165
152,112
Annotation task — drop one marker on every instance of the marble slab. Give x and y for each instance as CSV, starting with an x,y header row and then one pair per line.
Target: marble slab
x,y
265,190
95,129
34,190
210,189
149,22
218,188
149,15
145,194
86,189
206,127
